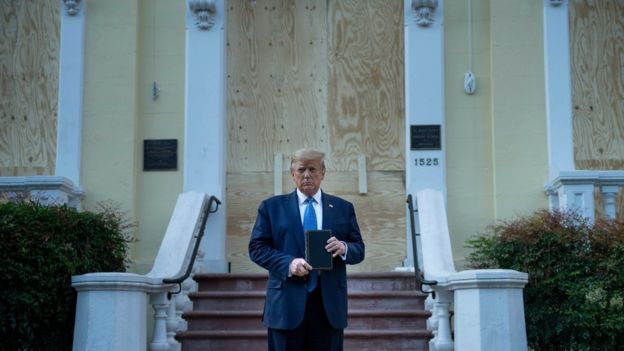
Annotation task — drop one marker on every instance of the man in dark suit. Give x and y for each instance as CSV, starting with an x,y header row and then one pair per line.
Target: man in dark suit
x,y
305,309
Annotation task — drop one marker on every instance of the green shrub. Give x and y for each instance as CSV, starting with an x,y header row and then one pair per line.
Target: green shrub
x,y
575,296
40,249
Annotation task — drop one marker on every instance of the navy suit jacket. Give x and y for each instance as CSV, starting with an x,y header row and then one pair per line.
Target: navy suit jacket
x,y
277,238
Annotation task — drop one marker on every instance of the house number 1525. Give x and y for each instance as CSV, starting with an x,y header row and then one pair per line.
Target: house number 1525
x,y
426,162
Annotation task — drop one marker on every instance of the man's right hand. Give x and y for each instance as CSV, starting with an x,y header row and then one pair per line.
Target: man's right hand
x,y
299,267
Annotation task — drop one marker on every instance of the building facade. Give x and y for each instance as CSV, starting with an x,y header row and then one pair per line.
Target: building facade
x,y
505,106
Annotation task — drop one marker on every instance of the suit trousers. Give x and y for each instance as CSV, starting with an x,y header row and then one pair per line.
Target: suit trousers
x,y
313,334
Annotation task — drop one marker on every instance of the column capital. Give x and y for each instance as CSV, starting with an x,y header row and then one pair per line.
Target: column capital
x,y
555,3
72,7
423,11
204,12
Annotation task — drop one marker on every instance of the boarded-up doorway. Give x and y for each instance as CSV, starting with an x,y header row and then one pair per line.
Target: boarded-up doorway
x,y
326,74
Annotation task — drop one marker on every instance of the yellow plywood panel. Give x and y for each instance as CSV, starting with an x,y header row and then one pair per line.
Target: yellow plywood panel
x,y
380,213
276,80
596,46
29,47
365,101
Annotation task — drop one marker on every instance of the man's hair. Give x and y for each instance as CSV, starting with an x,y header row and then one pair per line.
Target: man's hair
x,y
307,155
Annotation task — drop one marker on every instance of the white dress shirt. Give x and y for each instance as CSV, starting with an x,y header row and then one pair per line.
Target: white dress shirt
x,y
318,209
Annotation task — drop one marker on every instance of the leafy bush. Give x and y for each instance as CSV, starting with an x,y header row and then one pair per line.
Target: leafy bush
x,y
575,296
40,249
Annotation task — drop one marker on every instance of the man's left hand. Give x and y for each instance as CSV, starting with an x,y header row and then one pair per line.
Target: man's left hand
x,y
336,247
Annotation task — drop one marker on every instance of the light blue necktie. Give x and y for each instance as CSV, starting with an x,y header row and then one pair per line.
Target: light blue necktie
x,y
309,223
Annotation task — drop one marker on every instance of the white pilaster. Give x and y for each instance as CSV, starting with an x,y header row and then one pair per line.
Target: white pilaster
x,y
424,99
558,87
578,197
71,70
205,118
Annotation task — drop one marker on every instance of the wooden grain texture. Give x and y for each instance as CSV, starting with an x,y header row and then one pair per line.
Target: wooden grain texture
x,y
380,213
29,48
277,80
366,85
597,58
322,74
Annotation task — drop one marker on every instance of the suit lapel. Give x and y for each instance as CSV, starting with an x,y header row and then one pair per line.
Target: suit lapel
x,y
292,208
328,207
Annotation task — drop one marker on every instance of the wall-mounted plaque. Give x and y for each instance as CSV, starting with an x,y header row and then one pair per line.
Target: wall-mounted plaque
x,y
160,155
425,137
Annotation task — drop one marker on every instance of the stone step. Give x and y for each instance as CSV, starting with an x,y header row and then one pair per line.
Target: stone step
x,y
358,320
382,281
387,300
386,340
227,300
355,340
385,313
231,281
254,299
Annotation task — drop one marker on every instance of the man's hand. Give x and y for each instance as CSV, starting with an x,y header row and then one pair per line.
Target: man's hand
x,y
336,247
299,267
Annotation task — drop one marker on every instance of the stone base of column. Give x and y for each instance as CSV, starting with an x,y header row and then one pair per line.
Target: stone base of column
x,y
111,310
489,310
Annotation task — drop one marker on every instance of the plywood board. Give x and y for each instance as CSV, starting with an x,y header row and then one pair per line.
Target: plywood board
x,y
277,80
380,213
321,74
366,85
29,48
597,47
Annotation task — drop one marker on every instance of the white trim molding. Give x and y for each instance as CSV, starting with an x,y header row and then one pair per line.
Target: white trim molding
x,y
204,12
558,89
70,94
46,190
575,191
424,11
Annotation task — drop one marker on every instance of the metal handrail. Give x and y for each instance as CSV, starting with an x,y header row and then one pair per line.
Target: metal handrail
x,y
179,279
417,270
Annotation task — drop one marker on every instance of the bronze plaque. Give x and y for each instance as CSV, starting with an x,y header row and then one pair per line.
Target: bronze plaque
x,y
160,155
425,137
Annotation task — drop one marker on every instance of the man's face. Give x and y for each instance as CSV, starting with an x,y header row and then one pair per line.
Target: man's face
x,y
307,175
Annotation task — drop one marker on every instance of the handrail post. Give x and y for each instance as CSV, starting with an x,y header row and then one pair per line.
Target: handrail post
x,y
172,325
442,340
417,270
160,304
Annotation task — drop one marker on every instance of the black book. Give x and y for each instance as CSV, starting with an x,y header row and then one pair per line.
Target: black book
x,y
315,253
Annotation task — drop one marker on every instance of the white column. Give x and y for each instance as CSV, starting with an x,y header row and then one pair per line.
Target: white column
x,y
71,70
205,127
424,98
558,87
609,193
